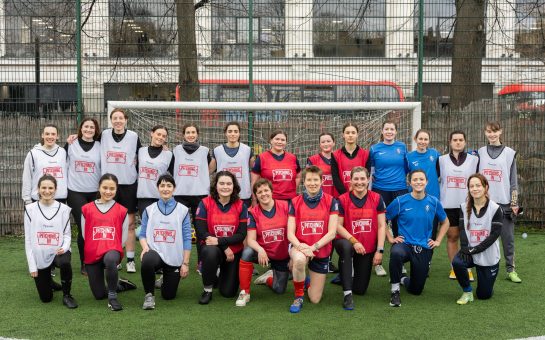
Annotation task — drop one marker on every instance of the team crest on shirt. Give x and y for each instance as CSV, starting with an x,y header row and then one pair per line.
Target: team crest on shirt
x,y
398,150
346,176
235,170
456,182
312,227
327,180
164,236
149,173
48,238
118,157
281,175
493,175
477,236
55,171
224,230
427,208
432,158
273,235
188,170
361,226
103,233
83,166
415,163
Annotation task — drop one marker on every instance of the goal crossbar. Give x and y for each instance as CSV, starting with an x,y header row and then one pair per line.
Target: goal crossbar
x,y
415,107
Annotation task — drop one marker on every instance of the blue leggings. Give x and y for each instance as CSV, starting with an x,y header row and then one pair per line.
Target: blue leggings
x,y
420,265
486,276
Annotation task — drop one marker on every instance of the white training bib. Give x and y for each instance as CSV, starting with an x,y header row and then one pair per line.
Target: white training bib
x,y
479,229
239,165
164,233
498,173
83,167
55,166
191,172
453,186
149,171
119,158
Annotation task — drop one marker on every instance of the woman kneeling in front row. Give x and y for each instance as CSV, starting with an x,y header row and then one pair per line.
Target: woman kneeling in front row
x,y
480,247
165,237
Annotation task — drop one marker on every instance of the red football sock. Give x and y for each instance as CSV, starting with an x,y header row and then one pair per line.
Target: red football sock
x,y
245,271
269,282
299,287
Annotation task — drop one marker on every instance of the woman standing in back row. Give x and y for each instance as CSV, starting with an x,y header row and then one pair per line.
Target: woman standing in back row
x,y
498,164
119,149
387,161
84,171
455,169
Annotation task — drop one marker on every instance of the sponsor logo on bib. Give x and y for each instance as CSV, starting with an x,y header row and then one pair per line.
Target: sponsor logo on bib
x,y
346,176
327,180
235,170
149,173
118,157
312,228
493,175
456,182
477,236
361,226
273,235
103,233
48,238
188,170
87,167
224,230
55,171
164,236
280,175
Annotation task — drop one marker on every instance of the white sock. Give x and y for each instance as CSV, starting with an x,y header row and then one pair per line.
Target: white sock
x,y
395,287
130,254
208,289
347,292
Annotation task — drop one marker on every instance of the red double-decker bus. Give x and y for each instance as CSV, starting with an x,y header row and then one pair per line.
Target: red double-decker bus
x,y
522,99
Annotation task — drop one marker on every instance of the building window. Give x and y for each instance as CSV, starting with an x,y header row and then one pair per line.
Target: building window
x,y
439,18
140,28
230,29
47,26
530,29
349,28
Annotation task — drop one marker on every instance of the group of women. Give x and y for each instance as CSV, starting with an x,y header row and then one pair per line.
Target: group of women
x,y
249,211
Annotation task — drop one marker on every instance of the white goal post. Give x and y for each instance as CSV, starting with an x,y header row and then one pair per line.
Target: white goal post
x,y
326,112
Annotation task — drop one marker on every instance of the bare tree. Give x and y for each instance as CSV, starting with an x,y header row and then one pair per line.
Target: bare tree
x,y
188,76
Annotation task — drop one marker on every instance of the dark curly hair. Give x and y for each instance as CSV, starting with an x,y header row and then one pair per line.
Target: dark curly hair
x,y
236,187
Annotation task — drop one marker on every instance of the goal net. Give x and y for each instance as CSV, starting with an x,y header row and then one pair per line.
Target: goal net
x,y
303,122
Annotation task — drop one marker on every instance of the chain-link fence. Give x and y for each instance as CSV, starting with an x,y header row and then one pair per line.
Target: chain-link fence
x,y
467,64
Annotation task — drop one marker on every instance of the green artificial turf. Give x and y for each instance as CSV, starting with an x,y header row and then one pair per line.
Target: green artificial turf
x,y
515,310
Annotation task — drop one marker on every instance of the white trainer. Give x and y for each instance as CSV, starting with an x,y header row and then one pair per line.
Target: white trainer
x,y
243,299
379,270
261,280
131,267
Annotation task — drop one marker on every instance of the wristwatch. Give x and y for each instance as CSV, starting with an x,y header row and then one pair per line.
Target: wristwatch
x,y
380,250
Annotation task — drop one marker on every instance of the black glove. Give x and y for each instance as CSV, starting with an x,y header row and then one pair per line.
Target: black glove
x,y
465,254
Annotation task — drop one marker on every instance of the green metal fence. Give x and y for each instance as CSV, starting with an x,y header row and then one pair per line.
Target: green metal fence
x,y
460,61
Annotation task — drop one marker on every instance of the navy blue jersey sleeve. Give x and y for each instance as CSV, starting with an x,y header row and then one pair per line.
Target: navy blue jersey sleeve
x,y
244,213
381,206
201,213
309,163
334,206
291,209
341,208
298,166
257,165
251,221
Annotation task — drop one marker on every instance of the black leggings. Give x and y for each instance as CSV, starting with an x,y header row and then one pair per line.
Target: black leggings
x,y
362,265
76,200
95,273
44,282
212,257
151,262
